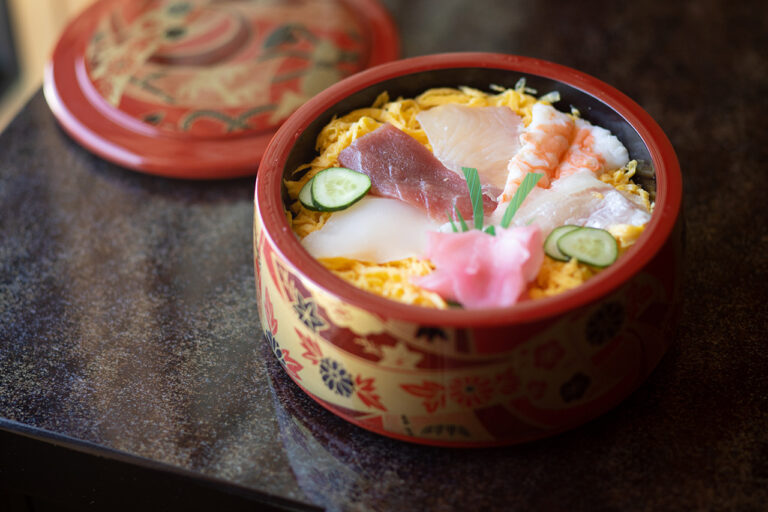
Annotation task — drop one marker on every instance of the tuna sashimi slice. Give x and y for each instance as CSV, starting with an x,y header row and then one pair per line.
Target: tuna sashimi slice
x,y
483,271
485,138
401,168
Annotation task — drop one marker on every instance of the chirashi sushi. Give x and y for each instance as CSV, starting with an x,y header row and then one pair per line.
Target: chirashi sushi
x,y
465,198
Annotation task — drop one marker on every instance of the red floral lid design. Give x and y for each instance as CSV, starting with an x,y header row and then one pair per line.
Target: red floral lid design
x,y
197,88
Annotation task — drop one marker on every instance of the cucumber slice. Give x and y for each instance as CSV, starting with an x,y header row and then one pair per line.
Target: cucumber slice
x,y
592,246
305,196
338,188
550,244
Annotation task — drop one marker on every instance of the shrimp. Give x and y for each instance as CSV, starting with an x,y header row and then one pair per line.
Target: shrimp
x,y
544,142
594,149
557,146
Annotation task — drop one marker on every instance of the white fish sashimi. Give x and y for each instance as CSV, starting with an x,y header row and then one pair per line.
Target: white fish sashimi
x,y
607,145
375,229
485,138
580,199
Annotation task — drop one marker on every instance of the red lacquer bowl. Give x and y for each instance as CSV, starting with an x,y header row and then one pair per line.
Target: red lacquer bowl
x,y
468,377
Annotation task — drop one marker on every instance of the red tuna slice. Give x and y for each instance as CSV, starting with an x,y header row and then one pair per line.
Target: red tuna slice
x,y
401,168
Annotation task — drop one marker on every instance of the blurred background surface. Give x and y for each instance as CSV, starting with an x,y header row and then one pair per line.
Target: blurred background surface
x,y
28,31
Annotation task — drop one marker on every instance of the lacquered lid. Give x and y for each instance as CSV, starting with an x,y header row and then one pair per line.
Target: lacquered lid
x,y
197,88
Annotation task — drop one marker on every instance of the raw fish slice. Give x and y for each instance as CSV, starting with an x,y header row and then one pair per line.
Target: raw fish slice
x,y
593,148
483,271
544,142
485,138
401,168
374,229
580,199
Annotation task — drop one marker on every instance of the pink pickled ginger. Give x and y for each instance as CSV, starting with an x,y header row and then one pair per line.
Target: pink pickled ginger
x,y
483,271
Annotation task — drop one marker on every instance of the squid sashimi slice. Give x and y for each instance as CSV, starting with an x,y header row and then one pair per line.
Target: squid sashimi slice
x,y
401,168
580,199
483,271
593,148
544,142
374,229
485,138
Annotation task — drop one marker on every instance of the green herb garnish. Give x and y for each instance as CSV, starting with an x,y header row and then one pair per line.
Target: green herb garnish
x,y
521,87
529,182
464,227
550,97
450,219
475,195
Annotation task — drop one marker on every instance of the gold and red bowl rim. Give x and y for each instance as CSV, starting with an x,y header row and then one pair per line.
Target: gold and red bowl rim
x,y
270,207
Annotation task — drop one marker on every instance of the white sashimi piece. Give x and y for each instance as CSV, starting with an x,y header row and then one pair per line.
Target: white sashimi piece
x,y
580,199
608,146
375,229
485,138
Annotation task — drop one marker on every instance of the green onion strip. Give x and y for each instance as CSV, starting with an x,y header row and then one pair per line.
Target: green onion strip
x,y
464,227
475,195
453,224
528,184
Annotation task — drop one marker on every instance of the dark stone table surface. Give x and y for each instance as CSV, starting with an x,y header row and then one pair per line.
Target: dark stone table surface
x,y
129,333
